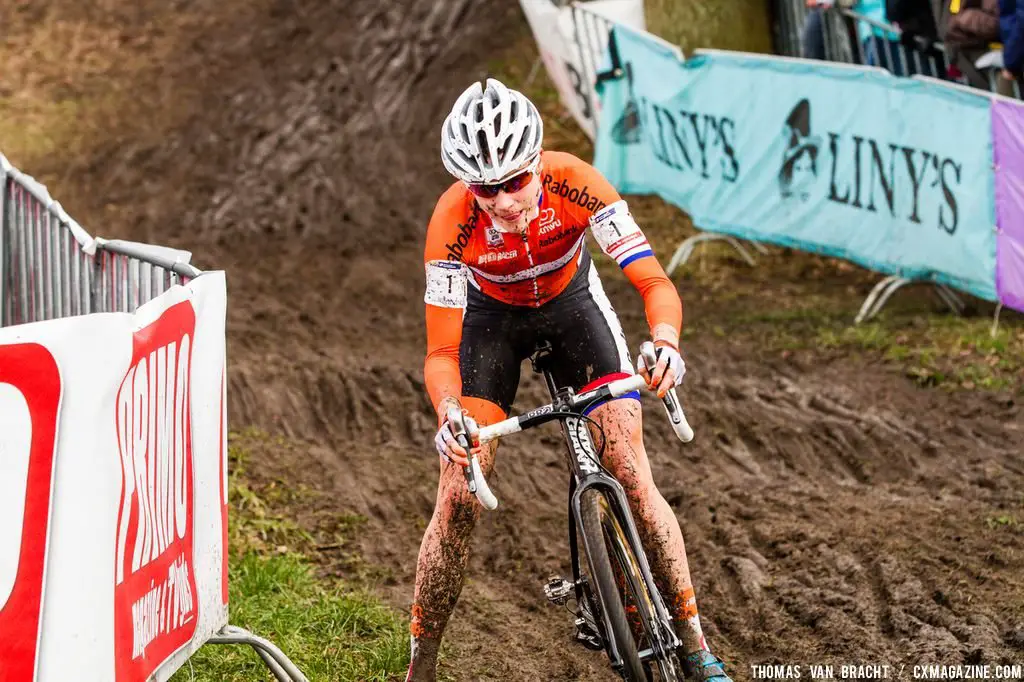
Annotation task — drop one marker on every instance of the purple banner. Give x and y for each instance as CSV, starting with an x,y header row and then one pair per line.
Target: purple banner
x,y
1008,152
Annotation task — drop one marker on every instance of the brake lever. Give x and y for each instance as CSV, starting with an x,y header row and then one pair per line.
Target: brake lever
x,y
671,400
474,475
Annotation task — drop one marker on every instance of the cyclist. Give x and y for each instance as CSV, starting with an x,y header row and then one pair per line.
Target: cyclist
x,y
506,268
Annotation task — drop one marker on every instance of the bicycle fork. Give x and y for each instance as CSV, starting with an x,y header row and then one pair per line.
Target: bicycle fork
x,y
587,473
616,497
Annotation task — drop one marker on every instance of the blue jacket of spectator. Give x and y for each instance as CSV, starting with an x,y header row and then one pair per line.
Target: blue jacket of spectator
x,y
873,9
1011,29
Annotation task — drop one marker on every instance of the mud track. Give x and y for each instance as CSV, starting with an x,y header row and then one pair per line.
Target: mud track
x,y
833,512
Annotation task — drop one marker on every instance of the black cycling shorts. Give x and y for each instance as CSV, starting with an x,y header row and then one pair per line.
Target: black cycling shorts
x,y
587,342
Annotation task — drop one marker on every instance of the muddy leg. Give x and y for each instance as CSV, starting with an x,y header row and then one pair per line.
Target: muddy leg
x,y
659,531
441,565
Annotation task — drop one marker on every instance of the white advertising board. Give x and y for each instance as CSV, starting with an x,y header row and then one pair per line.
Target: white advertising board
x,y
113,504
572,51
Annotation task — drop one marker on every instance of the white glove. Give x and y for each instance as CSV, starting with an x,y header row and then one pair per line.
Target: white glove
x,y
448,448
668,359
445,441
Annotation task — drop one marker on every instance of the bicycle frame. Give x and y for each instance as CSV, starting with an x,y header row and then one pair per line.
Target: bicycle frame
x,y
587,473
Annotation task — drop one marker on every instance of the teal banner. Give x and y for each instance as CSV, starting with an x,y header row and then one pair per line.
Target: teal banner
x,y
892,173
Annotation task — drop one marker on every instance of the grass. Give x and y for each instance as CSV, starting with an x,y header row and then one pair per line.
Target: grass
x,y
103,83
913,335
330,630
65,75
330,633
722,24
941,350
1008,520
1005,521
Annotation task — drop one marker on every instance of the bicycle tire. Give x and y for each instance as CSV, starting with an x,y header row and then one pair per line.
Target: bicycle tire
x,y
640,593
593,510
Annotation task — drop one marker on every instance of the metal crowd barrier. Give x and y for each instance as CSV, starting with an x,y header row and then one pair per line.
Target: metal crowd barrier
x,y
50,268
991,64
788,25
591,32
842,43
591,37
928,59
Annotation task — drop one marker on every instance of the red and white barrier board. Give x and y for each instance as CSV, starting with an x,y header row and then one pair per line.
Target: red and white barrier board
x,y
113,489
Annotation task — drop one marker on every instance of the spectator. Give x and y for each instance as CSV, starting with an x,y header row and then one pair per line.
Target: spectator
x,y
813,41
969,29
878,47
919,34
913,16
976,24
1011,28
812,38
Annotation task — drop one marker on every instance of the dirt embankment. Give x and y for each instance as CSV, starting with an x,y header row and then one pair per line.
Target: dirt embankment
x,y
833,511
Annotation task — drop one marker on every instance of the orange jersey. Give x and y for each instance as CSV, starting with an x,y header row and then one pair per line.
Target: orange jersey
x,y
528,269
465,249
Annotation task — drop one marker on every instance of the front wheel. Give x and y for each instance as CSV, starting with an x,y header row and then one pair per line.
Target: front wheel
x,y
654,632
594,512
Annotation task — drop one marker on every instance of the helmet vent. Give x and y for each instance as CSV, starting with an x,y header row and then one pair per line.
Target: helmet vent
x,y
491,132
523,144
485,151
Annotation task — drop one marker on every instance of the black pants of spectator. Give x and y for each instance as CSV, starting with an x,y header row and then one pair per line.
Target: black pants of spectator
x,y
813,35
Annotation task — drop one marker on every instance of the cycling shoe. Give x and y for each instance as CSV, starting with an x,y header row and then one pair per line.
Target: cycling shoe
x,y
702,666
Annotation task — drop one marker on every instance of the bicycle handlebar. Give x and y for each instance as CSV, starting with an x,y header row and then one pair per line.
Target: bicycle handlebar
x,y
614,389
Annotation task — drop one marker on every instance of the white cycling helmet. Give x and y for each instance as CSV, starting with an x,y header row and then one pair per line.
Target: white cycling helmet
x,y
490,133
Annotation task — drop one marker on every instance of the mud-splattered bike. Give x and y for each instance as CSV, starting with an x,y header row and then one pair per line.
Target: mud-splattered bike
x,y
617,577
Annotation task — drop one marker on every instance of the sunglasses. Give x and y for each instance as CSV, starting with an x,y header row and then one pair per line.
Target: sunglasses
x,y
510,186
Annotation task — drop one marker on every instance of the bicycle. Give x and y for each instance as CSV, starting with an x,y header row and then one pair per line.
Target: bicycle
x,y
599,508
